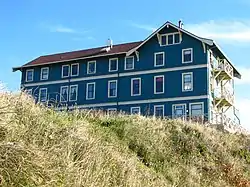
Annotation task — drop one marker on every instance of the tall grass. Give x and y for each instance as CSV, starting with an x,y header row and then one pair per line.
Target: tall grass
x,y
41,147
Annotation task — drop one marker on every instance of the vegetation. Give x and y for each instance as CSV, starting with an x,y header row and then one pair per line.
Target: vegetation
x,y
41,147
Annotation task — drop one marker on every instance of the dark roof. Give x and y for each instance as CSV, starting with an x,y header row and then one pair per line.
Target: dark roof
x,y
86,53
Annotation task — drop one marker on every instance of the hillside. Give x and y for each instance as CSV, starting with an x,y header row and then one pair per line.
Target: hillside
x,y
40,147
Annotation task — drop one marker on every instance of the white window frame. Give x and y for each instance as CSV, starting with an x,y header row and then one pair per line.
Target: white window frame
x,y
192,82
167,38
29,91
110,60
132,87
109,110
185,109
125,62
155,77
77,69
135,108
163,111
196,103
40,90
87,90
70,92
89,62
26,78
41,74
66,99
158,53
68,72
183,50
109,96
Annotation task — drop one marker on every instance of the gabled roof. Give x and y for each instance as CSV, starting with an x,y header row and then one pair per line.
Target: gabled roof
x,y
81,54
209,42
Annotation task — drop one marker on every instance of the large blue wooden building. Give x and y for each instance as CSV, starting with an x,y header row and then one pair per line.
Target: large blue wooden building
x,y
171,73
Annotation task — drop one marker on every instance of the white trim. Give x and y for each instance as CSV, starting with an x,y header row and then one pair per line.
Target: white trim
x,y
185,109
77,70
163,70
137,108
155,77
40,90
92,61
61,94
121,75
76,92
158,53
41,73
163,100
137,102
192,82
29,70
207,41
156,106
87,90
191,49
116,64
168,34
196,103
109,96
125,62
68,71
132,88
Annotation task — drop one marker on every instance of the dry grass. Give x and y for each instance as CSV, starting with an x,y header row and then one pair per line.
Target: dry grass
x,y
40,147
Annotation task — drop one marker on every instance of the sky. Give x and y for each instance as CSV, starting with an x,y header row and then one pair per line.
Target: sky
x,y
31,28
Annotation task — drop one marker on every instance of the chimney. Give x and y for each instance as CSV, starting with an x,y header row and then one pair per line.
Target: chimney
x,y
110,43
180,24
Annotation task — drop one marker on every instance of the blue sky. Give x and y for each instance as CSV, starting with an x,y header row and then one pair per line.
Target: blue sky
x,y
31,28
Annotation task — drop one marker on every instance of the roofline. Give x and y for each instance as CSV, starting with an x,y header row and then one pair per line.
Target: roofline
x,y
205,40
60,61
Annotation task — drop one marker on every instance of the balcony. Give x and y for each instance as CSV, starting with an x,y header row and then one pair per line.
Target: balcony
x,y
223,70
223,97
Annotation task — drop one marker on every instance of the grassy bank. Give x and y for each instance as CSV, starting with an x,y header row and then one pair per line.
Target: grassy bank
x,y
40,147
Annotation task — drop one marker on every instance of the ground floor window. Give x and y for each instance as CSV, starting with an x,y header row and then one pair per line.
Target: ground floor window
x,y
179,111
135,110
159,110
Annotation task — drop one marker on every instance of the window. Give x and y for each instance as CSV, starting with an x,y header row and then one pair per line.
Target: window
x,y
129,63
64,93
43,94
196,109
187,82
158,84
73,93
159,110
44,73
74,70
112,88
90,91
187,55
179,111
135,110
91,67
111,111
169,39
65,71
113,64
29,75
29,91
159,59
135,86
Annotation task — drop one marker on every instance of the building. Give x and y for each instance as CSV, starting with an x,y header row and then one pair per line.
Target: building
x,y
171,73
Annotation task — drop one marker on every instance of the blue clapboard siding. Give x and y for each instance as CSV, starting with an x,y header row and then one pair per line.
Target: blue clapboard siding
x,y
172,84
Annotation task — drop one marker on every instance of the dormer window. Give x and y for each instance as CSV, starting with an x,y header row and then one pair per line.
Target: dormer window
x,y
169,39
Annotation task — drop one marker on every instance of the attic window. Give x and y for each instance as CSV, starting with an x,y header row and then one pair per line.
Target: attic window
x,y
169,39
